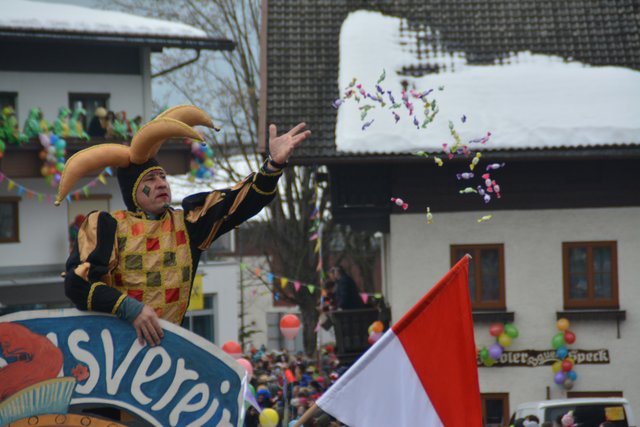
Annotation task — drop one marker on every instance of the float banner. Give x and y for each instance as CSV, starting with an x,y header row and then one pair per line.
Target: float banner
x,y
533,358
53,359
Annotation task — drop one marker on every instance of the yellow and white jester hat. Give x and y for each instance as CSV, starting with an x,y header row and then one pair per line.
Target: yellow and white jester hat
x,y
135,161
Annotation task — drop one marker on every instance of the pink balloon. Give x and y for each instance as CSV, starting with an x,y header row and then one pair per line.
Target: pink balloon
x,y
247,366
289,326
233,349
374,336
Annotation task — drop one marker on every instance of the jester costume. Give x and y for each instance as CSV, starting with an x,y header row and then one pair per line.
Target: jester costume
x,y
125,259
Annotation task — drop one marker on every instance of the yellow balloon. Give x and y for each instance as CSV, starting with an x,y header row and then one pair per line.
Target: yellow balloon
x,y
562,324
557,366
269,418
504,340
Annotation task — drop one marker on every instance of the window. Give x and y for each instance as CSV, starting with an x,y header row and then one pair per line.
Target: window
x,y
202,322
495,409
486,274
88,101
9,226
8,99
590,275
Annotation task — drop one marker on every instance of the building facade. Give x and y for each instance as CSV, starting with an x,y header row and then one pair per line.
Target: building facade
x,y
560,242
58,55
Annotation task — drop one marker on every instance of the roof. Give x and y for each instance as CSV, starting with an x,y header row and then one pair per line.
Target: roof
x,y
26,19
303,55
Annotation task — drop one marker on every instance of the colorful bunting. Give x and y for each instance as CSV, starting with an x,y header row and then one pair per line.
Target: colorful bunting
x,y
21,190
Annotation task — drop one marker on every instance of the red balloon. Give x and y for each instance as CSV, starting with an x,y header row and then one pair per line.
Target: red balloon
x,y
232,348
496,329
569,337
567,365
289,326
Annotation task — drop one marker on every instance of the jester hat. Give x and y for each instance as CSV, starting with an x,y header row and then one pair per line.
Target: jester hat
x,y
135,161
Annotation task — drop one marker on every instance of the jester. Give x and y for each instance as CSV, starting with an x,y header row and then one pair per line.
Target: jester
x,y
139,264
36,124
61,124
11,130
76,124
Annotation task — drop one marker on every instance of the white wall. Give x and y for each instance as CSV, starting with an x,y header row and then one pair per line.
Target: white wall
x,y
419,256
43,226
50,91
258,302
222,279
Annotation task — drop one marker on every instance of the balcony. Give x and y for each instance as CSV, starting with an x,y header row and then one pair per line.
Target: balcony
x,y
24,161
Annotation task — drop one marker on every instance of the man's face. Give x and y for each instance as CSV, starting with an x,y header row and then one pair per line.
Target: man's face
x,y
153,193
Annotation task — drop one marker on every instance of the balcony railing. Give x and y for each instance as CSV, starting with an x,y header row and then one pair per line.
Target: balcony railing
x,y
24,161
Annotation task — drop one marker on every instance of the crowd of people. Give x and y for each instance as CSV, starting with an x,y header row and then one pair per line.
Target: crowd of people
x,y
290,384
110,125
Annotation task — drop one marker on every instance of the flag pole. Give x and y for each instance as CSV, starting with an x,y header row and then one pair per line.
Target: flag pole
x,y
306,416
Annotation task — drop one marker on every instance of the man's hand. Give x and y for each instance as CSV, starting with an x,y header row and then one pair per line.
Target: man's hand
x,y
281,147
148,327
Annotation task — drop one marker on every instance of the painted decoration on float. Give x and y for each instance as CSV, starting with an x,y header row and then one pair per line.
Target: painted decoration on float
x,y
53,359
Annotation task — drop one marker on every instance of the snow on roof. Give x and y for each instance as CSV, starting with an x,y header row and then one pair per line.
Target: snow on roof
x,y
33,15
532,101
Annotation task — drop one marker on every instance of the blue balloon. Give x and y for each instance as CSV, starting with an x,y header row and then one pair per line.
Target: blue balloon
x,y
572,375
562,352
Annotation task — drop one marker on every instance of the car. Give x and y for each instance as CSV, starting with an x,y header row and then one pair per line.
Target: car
x,y
588,411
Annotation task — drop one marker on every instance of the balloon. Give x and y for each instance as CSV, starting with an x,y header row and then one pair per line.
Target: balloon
x,y
511,330
377,326
504,340
289,326
269,418
247,366
558,340
44,139
567,384
569,337
559,378
484,353
489,362
562,352
496,329
495,351
557,366
567,365
374,336
562,324
292,423
233,349
572,375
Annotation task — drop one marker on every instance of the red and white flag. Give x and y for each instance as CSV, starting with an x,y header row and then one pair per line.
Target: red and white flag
x,y
422,371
